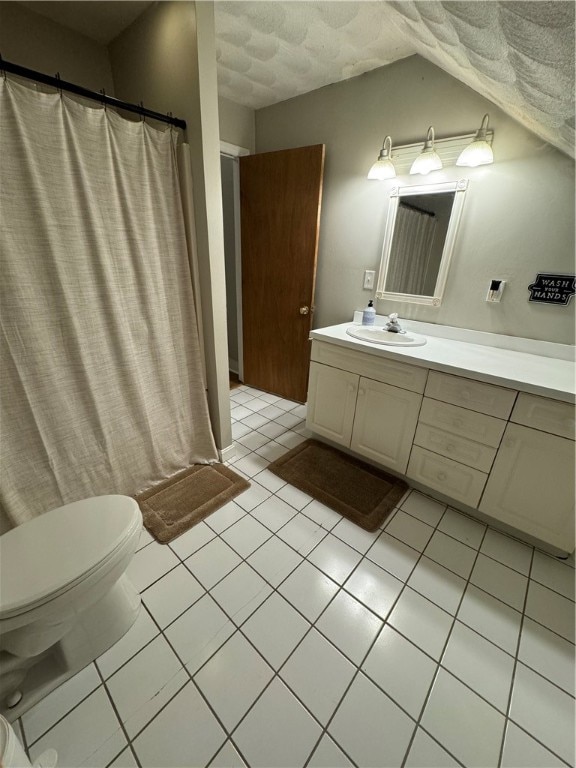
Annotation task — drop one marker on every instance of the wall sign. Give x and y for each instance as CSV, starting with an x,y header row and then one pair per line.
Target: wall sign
x,y
549,288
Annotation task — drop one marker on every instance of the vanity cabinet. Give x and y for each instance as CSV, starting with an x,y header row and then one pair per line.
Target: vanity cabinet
x,y
384,423
508,454
366,404
331,402
460,427
532,483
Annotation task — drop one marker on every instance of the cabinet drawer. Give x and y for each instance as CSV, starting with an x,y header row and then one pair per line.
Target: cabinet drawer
x,y
475,395
378,368
458,448
460,421
542,413
449,477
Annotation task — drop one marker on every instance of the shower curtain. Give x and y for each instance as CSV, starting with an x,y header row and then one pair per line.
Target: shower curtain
x,y
411,250
101,374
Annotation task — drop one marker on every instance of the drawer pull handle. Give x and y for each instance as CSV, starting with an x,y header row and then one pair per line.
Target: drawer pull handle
x,y
442,476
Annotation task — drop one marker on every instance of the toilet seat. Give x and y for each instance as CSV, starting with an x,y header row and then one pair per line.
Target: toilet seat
x,y
66,546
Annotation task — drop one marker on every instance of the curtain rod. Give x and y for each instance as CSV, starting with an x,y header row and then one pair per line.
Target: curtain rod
x,y
63,85
415,208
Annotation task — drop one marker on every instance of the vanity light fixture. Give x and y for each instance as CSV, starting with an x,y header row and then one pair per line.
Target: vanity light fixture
x,y
408,157
479,152
383,168
428,160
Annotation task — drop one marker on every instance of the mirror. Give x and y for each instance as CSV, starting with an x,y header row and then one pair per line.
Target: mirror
x,y
419,240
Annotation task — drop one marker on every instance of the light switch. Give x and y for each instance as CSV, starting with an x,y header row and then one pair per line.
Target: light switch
x,y
369,277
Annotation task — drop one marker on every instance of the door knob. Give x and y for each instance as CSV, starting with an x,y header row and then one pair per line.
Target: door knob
x,y
304,310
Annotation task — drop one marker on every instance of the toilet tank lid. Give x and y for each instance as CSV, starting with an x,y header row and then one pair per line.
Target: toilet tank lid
x,y
44,555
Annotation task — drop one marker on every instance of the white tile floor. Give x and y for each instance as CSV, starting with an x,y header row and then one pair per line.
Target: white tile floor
x,y
276,633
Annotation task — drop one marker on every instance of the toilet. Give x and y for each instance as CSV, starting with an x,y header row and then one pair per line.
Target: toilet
x,y
12,754
64,595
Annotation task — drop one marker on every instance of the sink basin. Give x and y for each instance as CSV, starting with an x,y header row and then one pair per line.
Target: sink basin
x,y
379,335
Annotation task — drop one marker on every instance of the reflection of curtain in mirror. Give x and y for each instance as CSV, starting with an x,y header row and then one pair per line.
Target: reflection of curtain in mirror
x,y
411,250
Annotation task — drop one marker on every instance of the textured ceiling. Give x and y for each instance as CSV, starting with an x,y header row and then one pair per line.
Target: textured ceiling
x,y
519,55
271,51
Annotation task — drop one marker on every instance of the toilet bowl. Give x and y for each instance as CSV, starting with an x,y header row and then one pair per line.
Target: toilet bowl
x,y
64,594
12,754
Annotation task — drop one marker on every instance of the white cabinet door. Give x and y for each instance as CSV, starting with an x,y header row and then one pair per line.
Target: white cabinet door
x,y
331,402
385,423
531,485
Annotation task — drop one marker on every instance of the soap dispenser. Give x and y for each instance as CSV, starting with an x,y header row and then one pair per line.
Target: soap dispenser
x,y
369,314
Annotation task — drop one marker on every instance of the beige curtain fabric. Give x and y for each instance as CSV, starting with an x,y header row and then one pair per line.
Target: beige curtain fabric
x,y
187,195
101,377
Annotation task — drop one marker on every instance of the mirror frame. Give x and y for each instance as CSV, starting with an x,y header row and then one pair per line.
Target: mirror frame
x,y
459,188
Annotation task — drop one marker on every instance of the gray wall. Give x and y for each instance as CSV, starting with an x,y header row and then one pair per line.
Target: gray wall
x,y
227,168
518,216
28,39
237,124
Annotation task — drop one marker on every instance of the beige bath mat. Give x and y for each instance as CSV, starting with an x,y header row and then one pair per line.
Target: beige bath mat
x,y
175,505
360,492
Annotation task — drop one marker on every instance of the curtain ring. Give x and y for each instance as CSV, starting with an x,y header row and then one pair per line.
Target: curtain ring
x,y
142,115
58,87
2,67
103,92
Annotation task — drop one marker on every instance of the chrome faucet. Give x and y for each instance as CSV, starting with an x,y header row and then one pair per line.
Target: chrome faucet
x,y
393,325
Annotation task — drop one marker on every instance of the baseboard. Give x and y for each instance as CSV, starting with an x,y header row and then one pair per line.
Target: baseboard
x,y
228,453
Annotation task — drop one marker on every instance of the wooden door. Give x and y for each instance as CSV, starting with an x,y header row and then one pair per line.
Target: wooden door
x,y
280,194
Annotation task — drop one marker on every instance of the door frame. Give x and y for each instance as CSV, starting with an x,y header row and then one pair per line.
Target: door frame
x,y
234,151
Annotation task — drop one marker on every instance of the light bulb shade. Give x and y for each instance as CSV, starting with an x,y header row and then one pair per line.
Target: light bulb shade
x,y
479,152
428,160
383,168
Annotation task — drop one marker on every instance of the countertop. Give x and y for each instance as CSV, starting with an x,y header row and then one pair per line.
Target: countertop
x,y
525,371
